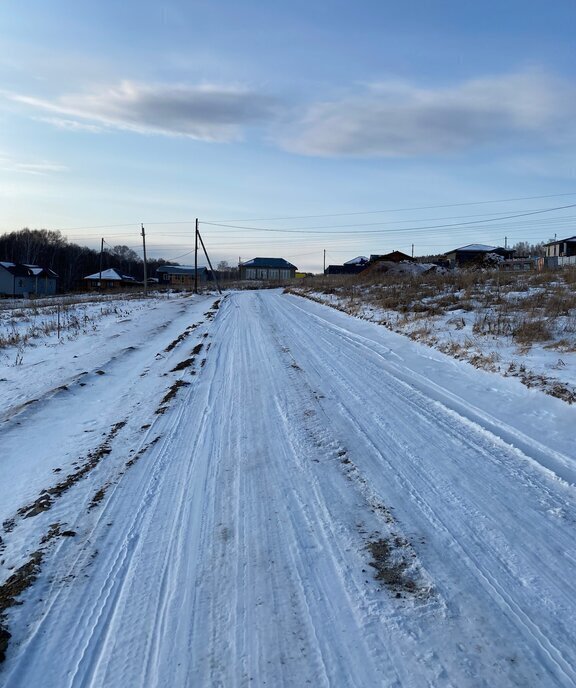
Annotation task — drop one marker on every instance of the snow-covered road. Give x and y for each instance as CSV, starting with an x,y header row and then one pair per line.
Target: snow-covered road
x,y
325,503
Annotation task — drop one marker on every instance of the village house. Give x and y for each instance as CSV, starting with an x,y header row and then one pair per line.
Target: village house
x,y
475,253
392,257
375,263
267,269
18,279
109,280
182,276
351,267
561,252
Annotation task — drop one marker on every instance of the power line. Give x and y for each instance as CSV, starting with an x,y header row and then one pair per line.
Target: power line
x,y
183,255
298,217
397,210
314,230
372,224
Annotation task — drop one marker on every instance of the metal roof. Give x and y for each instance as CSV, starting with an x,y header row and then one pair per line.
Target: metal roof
x,y
22,270
269,263
179,270
359,260
569,240
475,247
111,275
39,271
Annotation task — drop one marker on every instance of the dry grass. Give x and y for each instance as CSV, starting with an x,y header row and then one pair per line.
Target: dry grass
x,y
530,307
527,332
22,324
522,309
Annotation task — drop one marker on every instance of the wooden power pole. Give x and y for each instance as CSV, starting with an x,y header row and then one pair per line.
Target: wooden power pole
x,y
196,258
208,259
145,264
101,256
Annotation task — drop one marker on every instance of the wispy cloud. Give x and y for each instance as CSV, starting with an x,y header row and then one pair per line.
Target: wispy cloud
x,y
36,167
383,119
71,125
206,112
399,119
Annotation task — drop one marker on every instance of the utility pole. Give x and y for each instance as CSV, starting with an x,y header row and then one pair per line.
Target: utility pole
x,y
196,258
145,264
324,261
208,259
412,250
101,255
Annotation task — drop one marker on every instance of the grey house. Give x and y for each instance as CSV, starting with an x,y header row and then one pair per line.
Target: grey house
x,y
267,269
17,279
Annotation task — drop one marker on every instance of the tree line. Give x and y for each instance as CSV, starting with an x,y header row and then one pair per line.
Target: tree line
x,y
71,262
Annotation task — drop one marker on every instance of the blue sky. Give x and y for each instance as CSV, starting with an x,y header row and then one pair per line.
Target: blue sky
x,y
239,113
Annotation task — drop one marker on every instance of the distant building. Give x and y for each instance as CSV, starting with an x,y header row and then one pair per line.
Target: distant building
x,y
17,279
363,264
561,252
182,276
267,269
474,253
110,279
346,269
393,257
519,264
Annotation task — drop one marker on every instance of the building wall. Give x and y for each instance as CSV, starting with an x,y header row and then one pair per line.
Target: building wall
x,y
268,274
22,286
6,282
108,285
518,264
45,286
561,248
182,279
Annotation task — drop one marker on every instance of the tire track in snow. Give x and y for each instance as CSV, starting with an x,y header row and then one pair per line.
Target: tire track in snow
x,y
327,339
84,559
95,670
238,535
544,457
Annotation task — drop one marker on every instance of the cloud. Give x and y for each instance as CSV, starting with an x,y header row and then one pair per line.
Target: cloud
x,y
71,125
36,167
206,112
398,119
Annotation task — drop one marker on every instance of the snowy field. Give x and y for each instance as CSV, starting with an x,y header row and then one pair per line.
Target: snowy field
x,y
261,490
528,332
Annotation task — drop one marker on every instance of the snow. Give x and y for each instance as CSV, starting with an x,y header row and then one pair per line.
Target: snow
x,y
405,267
475,247
109,274
310,452
466,334
34,269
